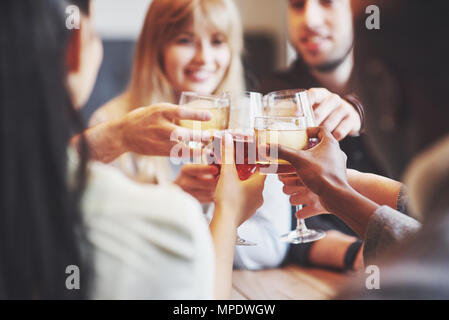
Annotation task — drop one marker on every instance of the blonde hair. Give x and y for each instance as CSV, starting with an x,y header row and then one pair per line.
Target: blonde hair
x,y
164,21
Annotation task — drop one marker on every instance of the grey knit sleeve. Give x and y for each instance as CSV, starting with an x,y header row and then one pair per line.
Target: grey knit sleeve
x,y
386,228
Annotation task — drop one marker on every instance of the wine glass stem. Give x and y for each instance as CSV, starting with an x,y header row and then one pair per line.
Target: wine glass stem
x,y
300,224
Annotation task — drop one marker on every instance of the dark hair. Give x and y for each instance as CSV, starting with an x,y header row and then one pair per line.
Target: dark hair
x,y
40,221
83,5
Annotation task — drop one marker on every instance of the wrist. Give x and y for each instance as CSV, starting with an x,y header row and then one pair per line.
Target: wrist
x,y
354,101
117,129
351,254
353,208
331,250
359,262
227,213
105,141
332,193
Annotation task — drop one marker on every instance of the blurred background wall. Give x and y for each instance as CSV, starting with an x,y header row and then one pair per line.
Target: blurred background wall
x,y
119,23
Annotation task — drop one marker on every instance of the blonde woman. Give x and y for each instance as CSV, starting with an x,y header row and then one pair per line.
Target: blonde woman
x,y
196,45
184,45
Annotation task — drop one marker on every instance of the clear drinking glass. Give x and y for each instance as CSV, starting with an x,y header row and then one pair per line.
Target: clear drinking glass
x,y
244,107
282,110
286,131
218,106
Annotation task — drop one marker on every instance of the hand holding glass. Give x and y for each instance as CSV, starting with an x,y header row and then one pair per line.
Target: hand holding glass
x,y
287,115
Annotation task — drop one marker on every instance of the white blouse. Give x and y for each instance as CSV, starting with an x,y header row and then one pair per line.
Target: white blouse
x,y
146,241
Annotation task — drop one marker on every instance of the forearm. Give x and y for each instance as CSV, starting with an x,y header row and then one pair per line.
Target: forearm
x,y
383,191
352,207
224,234
330,251
104,140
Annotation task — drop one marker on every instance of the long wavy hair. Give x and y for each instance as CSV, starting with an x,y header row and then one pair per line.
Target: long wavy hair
x,y
40,221
165,19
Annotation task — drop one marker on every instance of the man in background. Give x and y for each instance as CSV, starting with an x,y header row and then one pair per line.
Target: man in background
x,y
322,34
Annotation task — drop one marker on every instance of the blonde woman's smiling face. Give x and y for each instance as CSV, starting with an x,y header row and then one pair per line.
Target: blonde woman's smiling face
x,y
197,60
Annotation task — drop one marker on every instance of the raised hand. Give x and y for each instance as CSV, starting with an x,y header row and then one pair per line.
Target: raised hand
x,y
150,130
322,169
300,195
238,198
334,113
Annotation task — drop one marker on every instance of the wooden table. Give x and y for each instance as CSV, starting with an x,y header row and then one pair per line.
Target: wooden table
x,y
291,282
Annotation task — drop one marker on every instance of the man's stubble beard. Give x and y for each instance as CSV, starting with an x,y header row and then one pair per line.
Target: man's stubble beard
x,y
330,66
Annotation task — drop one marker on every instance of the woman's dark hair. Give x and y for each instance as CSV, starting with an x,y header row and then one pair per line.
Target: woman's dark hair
x,y
83,5
40,222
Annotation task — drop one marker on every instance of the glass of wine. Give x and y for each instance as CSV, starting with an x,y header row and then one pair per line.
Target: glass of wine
x,y
288,103
244,107
283,112
287,131
218,106
244,151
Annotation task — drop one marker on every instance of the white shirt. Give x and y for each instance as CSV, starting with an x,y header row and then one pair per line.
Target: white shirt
x,y
146,241
265,227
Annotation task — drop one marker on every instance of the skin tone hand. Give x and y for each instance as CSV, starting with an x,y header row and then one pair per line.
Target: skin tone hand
x,y
242,198
322,170
300,194
235,202
147,130
329,251
199,180
334,113
383,191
